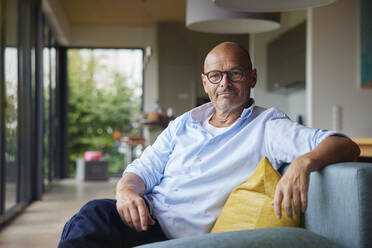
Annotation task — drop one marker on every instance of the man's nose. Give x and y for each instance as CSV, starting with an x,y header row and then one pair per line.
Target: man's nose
x,y
225,81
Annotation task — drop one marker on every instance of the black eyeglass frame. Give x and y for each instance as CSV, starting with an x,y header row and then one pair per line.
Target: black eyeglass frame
x,y
227,74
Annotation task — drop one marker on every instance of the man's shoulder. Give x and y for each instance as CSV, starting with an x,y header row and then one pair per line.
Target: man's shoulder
x,y
195,115
180,120
184,117
270,113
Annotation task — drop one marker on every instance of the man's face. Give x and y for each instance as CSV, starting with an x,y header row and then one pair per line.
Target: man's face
x,y
228,95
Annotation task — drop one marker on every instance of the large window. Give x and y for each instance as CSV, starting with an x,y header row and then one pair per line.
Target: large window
x,y
47,169
50,125
11,103
52,106
105,99
22,94
105,95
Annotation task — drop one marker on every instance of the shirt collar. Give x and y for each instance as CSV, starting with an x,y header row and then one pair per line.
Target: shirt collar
x,y
200,113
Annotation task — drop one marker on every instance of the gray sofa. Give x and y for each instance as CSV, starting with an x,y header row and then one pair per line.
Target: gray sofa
x,y
339,214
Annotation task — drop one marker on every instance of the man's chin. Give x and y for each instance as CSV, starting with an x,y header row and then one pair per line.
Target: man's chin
x,y
228,106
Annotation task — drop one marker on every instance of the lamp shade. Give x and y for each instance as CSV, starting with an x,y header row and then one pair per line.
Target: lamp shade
x,y
204,16
270,5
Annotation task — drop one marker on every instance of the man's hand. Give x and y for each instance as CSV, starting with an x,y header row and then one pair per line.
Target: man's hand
x,y
130,204
133,211
292,188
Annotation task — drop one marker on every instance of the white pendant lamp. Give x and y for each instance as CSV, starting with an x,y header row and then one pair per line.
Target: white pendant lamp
x,y
204,16
270,5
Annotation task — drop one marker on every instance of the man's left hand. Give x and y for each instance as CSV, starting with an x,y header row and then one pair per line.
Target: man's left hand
x,y
292,188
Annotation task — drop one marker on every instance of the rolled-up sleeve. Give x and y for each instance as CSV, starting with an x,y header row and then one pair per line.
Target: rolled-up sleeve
x,y
150,166
286,140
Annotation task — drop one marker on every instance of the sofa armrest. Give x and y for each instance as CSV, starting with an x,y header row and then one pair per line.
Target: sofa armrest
x,y
340,204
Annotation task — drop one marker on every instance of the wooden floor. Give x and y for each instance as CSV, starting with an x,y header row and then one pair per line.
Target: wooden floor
x,y
41,224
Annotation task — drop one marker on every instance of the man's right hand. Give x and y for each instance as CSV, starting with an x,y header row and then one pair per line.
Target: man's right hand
x,y
130,205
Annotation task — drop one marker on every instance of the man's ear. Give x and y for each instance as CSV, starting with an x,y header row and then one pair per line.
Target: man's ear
x,y
204,78
253,78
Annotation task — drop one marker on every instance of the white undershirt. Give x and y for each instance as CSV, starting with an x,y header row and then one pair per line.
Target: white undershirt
x,y
212,129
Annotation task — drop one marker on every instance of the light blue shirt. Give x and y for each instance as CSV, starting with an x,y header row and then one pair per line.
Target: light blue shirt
x,y
189,173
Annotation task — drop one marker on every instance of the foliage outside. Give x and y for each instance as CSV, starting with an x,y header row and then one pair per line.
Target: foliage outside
x,y
98,106
11,104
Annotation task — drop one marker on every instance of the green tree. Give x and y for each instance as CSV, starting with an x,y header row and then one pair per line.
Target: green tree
x,y
95,112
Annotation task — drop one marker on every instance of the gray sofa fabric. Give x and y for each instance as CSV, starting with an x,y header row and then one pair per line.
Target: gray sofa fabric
x,y
283,237
340,204
339,214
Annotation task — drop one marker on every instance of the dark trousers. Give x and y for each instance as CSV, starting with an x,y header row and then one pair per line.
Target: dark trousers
x,y
98,224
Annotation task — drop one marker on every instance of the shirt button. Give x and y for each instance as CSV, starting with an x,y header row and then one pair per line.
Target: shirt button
x,y
175,189
198,159
156,212
212,141
166,205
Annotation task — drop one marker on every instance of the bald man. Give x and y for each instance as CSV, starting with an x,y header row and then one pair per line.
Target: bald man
x,y
179,185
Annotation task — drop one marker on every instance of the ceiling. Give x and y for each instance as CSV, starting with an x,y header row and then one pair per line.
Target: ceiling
x,y
122,12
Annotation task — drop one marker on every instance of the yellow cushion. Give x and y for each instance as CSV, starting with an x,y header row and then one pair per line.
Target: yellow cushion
x,y
249,205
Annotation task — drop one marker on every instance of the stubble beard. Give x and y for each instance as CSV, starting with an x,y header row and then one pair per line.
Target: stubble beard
x,y
224,107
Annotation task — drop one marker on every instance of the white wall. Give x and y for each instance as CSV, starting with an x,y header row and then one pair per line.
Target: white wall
x,y
125,37
293,104
297,105
334,69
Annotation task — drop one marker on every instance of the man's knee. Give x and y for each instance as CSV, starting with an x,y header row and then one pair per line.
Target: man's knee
x,y
94,217
101,210
99,204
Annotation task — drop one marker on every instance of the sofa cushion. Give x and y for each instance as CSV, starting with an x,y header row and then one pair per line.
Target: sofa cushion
x,y
249,205
259,238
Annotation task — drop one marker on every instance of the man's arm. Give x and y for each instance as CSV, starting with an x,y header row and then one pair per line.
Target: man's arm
x,y
293,186
130,204
141,175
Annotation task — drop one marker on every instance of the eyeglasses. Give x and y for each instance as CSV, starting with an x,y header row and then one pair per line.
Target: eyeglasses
x,y
234,75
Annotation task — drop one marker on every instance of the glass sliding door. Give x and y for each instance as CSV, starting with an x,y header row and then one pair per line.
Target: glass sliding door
x,y
11,104
2,106
105,98
27,99
52,105
46,77
37,99
49,98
